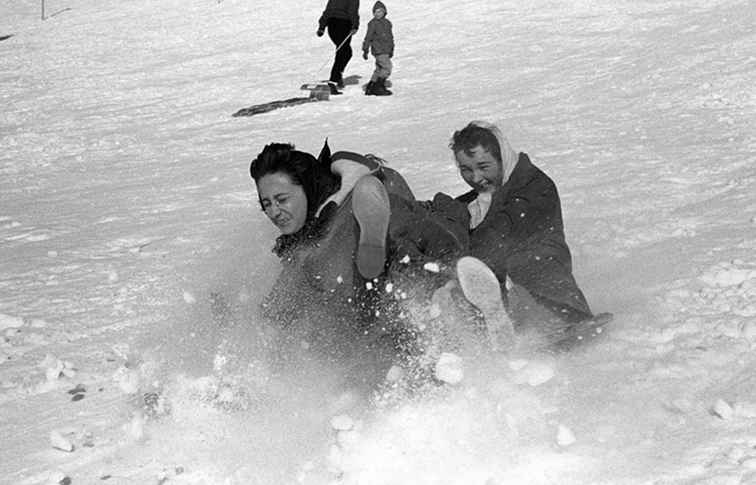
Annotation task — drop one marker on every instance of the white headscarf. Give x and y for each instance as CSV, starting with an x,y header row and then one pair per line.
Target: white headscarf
x,y
479,207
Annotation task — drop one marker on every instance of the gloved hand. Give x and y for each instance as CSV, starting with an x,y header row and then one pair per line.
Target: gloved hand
x,y
365,55
353,31
320,33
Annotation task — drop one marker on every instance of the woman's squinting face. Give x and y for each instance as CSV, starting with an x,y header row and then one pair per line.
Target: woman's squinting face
x,y
283,201
480,169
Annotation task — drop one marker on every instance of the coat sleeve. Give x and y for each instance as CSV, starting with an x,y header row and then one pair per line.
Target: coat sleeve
x,y
528,212
323,21
355,14
391,39
368,37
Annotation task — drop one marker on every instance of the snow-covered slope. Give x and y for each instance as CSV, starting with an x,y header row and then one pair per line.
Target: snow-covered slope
x,y
126,214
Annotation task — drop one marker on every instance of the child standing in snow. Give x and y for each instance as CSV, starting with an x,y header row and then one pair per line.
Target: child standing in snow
x,y
380,40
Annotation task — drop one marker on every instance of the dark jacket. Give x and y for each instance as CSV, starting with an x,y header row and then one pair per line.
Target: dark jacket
x,y
341,9
379,37
319,272
522,235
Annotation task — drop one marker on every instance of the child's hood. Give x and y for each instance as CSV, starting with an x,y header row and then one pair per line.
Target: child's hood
x,y
378,5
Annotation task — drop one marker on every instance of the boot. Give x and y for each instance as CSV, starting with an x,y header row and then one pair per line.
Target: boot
x,y
372,210
385,83
380,88
481,288
333,88
369,88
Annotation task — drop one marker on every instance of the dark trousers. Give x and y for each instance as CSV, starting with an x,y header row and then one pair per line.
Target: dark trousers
x,y
338,30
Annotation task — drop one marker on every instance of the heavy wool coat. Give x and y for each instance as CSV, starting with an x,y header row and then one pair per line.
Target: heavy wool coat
x,y
522,236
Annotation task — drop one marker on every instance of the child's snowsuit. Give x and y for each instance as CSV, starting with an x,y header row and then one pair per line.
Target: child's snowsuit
x,y
379,40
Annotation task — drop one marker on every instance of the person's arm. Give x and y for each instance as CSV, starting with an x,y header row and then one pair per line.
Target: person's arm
x,y
368,39
391,37
355,15
524,214
322,23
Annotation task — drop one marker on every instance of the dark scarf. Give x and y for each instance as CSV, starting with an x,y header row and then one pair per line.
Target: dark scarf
x,y
313,230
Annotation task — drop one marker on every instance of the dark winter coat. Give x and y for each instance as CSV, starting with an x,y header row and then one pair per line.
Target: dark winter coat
x,y
341,9
522,235
318,261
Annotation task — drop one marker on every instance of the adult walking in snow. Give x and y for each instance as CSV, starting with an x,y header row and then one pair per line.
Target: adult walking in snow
x,y
342,19
516,224
379,39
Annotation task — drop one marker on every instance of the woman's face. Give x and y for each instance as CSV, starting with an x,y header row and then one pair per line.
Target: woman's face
x,y
481,170
283,201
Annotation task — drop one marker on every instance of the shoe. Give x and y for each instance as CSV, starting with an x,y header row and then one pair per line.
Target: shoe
x,y
481,288
369,87
333,87
372,210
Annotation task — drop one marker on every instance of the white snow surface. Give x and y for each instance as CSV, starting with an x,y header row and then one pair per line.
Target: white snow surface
x,y
127,212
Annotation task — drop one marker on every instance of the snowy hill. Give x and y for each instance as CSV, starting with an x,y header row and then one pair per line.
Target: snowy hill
x,y
126,205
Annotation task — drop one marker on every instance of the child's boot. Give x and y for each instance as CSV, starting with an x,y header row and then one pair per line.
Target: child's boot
x,y
369,88
385,89
379,88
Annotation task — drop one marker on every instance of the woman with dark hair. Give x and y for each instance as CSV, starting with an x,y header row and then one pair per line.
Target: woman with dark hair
x,y
344,219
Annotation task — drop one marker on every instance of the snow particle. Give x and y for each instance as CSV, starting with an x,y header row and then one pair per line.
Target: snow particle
x,y
342,422
565,436
127,380
59,442
449,368
432,267
722,409
394,373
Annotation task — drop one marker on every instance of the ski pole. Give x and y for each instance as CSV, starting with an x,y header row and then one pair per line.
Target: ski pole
x,y
337,50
